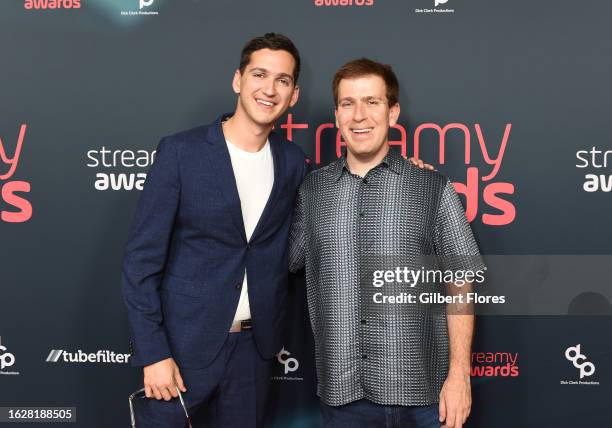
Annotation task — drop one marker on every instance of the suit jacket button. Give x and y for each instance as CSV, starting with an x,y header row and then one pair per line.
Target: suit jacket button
x,y
238,286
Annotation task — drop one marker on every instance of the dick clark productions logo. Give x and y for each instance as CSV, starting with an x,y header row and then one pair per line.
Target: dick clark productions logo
x,y
143,9
7,359
574,355
291,364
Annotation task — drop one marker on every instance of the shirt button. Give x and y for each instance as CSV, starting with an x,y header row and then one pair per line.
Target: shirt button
x,y
363,322
238,286
364,356
361,214
248,246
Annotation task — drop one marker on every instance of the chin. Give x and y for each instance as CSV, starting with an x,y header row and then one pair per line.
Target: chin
x,y
361,151
264,120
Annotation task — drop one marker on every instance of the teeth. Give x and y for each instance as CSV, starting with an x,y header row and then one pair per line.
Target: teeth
x,y
266,103
362,131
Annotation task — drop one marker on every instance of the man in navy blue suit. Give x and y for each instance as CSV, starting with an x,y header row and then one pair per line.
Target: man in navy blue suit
x,y
205,270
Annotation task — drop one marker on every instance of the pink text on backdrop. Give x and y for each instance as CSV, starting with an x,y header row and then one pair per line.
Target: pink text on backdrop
x,y
492,154
11,188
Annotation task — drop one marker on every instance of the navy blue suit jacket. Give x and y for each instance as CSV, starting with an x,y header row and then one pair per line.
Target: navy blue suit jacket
x,y
187,251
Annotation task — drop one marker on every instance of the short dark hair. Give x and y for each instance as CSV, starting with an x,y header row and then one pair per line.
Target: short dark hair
x,y
366,67
272,41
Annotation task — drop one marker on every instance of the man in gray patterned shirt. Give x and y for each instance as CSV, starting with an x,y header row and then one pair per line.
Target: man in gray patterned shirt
x,y
380,360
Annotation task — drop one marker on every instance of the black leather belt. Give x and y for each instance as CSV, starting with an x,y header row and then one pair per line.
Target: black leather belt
x,y
239,326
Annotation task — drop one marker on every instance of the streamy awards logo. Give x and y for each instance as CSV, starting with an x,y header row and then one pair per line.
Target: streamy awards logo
x,y
495,364
343,3
481,183
14,207
600,177
51,4
119,169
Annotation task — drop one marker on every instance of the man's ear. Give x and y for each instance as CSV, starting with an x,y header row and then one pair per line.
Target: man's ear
x,y
336,116
236,81
294,96
394,113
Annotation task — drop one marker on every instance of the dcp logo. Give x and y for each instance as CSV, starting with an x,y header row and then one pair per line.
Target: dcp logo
x,y
147,3
291,364
6,358
439,2
573,354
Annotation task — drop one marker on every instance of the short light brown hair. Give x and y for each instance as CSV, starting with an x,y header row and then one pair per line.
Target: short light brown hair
x,y
366,67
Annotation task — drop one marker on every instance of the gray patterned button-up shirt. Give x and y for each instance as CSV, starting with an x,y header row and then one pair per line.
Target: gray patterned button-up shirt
x,y
344,225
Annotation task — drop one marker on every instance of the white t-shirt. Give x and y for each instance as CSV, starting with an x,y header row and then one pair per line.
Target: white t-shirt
x,y
254,173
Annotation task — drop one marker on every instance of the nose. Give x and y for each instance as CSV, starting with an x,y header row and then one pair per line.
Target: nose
x,y
269,88
359,113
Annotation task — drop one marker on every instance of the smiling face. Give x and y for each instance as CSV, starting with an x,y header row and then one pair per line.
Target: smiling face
x,y
266,88
363,116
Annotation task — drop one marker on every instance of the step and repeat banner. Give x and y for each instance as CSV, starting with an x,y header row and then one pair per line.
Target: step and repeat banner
x,y
509,99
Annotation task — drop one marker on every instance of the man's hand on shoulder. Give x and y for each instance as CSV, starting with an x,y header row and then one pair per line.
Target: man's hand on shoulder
x,y
161,380
419,163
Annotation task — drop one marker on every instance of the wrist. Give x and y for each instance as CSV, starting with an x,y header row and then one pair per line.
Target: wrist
x,y
461,372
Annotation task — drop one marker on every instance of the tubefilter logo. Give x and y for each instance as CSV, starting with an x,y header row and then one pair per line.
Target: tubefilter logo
x,y
101,356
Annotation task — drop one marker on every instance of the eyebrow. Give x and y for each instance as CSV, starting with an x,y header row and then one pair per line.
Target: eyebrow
x,y
366,98
263,70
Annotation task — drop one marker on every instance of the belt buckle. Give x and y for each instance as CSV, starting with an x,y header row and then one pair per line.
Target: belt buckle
x,y
239,326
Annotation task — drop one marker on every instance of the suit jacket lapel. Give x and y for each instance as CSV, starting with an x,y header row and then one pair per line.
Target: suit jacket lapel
x,y
221,164
277,187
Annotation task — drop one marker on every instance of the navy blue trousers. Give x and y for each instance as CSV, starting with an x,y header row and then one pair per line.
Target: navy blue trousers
x,y
231,392
366,414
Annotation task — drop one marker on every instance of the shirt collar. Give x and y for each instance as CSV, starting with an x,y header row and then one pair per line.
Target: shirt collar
x,y
393,160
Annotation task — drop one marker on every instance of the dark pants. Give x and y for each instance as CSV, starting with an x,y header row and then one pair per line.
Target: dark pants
x,y
366,414
231,392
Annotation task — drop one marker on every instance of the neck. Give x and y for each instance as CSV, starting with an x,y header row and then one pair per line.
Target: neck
x,y
244,133
362,164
